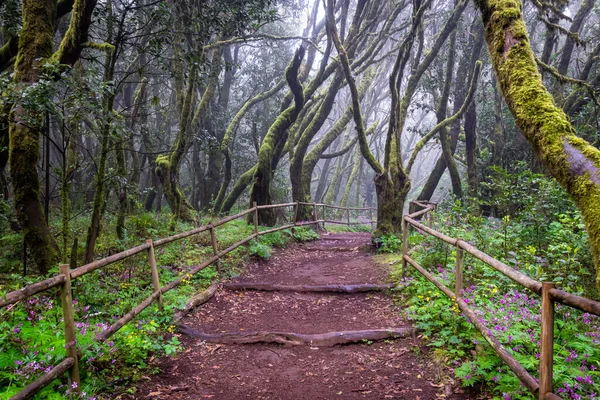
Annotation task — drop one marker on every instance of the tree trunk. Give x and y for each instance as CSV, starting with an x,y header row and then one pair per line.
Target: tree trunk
x,y
35,45
471,149
274,142
571,160
460,94
107,107
441,115
167,166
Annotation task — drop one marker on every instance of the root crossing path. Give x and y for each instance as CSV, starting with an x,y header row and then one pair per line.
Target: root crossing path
x,y
277,332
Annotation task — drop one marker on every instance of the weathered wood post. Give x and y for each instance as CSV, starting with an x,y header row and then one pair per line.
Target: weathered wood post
x,y
315,216
458,271
255,219
66,299
296,212
154,271
430,217
371,217
323,216
213,239
404,245
547,336
348,220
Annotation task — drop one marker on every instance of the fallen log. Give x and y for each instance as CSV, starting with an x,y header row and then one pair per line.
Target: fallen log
x,y
297,339
272,287
197,300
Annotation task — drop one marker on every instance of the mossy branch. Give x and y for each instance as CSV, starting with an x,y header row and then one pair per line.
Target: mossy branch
x,y
356,109
76,36
347,148
448,121
235,122
261,36
566,79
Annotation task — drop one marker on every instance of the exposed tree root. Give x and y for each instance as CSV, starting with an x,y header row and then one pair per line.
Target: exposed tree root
x,y
197,300
344,249
296,339
270,287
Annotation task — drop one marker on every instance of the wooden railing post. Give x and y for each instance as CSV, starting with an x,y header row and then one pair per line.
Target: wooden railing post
x,y
371,217
296,212
213,239
404,246
430,219
323,216
255,218
154,271
348,210
458,271
547,336
69,327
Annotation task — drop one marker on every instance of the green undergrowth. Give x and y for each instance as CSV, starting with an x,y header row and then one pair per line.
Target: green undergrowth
x,y
31,332
345,228
541,236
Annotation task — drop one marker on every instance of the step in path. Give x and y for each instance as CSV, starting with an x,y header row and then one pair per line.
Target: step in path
x,y
292,334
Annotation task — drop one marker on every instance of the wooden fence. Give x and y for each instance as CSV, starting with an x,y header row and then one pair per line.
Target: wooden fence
x,y
550,295
63,281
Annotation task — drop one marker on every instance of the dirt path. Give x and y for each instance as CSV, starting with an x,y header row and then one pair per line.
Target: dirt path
x,y
391,369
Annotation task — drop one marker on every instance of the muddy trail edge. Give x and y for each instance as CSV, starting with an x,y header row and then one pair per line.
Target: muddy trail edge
x,y
284,344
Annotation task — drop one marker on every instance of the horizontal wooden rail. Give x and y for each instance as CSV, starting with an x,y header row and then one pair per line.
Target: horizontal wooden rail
x,y
87,268
183,235
28,291
581,303
349,208
127,317
231,218
280,228
238,244
268,206
331,221
30,390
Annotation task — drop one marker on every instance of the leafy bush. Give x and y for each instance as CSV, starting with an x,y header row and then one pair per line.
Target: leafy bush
x,y
304,234
388,243
276,239
260,250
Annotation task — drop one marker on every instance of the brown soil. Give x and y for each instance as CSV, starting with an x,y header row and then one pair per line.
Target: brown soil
x,y
393,369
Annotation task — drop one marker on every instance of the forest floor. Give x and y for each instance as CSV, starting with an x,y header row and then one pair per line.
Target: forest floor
x,y
401,368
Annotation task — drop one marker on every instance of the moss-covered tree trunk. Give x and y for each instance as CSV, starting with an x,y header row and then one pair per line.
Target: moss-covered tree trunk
x,y
351,178
100,192
34,48
4,142
571,160
274,142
